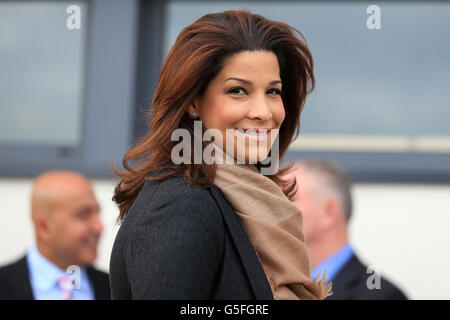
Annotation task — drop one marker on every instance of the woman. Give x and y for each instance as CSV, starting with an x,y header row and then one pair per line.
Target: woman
x,y
202,230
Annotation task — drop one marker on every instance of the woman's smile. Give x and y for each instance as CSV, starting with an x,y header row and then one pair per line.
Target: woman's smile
x,y
255,134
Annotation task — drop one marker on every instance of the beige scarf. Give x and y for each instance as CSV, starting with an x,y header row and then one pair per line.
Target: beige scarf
x,y
274,227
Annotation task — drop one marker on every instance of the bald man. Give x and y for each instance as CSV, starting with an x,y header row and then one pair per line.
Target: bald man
x,y
324,197
67,225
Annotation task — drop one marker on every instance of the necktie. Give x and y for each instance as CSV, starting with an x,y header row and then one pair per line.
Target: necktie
x,y
66,287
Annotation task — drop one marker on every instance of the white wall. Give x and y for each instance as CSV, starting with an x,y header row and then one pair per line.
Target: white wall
x,y
401,229
404,230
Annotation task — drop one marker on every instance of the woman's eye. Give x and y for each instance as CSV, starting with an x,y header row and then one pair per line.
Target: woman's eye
x,y
274,91
237,90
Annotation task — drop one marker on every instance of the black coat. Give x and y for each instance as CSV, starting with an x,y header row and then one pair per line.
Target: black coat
x,y
350,283
15,282
182,241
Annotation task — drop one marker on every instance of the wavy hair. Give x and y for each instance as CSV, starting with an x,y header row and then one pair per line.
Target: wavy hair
x,y
193,61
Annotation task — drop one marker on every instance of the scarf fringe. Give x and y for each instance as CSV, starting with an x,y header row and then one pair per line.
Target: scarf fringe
x,y
324,286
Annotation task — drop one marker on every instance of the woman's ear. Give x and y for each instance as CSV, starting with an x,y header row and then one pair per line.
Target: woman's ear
x,y
193,107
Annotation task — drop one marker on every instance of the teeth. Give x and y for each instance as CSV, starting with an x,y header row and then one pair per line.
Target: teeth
x,y
253,132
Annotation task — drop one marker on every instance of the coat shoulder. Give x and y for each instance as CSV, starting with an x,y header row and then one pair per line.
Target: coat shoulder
x,y
354,282
100,282
183,197
14,282
11,268
98,274
174,228
175,188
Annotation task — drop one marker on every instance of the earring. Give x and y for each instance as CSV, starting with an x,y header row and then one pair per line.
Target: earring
x,y
193,115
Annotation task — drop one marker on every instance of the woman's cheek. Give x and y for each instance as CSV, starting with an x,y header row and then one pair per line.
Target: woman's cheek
x,y
281,113
232,115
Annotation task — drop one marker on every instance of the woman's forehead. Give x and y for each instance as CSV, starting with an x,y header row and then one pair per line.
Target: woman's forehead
x,y
250,65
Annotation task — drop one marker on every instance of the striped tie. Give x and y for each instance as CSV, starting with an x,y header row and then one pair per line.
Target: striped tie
x,y
66,287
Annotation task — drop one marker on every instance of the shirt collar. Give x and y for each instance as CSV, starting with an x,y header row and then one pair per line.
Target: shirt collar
x,y
333,264
44,274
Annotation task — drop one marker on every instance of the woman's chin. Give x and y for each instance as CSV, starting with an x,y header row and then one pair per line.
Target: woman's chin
x,y
252,155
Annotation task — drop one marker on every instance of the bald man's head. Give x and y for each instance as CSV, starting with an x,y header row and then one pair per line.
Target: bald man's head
x,y
65,214
52,188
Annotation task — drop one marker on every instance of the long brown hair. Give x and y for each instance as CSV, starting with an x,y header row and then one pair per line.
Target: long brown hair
x,y
194,60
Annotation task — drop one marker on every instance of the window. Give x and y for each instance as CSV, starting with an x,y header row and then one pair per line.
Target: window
x,y
381,104
76,99
67,95
42,75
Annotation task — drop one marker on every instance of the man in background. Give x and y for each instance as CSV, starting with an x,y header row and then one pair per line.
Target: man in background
x,y
66,219
324,197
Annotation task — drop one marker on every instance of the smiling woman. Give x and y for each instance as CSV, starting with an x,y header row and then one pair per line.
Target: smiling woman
x,y
218,231
244,96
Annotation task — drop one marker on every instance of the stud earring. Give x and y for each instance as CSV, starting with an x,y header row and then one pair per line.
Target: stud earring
x,y
193,115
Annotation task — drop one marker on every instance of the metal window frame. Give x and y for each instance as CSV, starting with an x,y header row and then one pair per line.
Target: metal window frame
x,y
384,167
109,93
121,76
380,167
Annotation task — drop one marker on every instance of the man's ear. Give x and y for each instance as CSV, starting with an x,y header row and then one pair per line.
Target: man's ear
x,y
42,228
330,211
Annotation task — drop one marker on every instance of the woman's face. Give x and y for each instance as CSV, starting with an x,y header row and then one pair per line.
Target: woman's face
x,y
245,97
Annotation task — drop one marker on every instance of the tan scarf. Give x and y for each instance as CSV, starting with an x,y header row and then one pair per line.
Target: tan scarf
x,y
275,228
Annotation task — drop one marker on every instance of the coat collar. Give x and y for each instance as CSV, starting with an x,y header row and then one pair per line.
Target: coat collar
x,y
347,278
250,261
20,278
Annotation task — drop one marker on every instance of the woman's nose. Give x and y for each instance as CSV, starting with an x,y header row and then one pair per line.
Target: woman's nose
x,y
260,109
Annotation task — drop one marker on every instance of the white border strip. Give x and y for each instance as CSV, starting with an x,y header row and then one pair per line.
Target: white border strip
x,y
439,144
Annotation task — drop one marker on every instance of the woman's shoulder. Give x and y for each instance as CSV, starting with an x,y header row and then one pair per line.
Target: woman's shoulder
x,y
172,221
177,198
174,189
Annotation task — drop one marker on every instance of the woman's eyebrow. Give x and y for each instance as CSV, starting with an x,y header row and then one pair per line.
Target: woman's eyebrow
x,y
249,82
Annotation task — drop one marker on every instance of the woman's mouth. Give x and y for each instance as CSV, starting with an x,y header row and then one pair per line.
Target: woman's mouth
x,y
255,134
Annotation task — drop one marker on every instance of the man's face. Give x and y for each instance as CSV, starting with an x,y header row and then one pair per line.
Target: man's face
x,y
75,225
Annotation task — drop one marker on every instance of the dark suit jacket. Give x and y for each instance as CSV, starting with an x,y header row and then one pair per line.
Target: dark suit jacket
x,y
15,282
350,283
181,241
